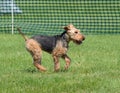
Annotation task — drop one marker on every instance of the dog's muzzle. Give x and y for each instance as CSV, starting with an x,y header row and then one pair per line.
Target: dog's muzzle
x,y
80,41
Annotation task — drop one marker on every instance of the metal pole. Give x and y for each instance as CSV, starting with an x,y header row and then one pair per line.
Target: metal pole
x,y
12,14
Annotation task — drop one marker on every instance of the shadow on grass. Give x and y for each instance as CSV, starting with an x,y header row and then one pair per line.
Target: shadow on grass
x,y
30,70
34,70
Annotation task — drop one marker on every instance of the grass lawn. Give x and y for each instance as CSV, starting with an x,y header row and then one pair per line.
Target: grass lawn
x,y
95,67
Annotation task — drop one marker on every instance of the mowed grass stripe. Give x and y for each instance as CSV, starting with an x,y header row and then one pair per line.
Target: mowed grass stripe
x,y
95,67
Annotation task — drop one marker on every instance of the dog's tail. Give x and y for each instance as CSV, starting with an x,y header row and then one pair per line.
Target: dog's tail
x,y
25,37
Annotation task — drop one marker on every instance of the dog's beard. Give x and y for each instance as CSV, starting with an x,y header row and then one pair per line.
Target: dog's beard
x,y
77,42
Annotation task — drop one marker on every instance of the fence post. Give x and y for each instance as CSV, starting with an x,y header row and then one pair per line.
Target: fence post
x,y
12,14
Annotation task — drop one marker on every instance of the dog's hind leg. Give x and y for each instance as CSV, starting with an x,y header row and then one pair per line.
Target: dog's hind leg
x,y
34,48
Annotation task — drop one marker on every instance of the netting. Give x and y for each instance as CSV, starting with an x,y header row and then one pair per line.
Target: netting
x,y
48,16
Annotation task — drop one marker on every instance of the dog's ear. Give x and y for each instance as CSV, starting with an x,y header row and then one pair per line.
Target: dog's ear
x,y
68,27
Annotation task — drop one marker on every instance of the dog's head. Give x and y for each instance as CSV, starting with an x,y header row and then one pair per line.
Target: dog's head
x,y
75,35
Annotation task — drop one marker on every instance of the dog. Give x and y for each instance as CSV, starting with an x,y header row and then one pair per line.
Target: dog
x,y
56,45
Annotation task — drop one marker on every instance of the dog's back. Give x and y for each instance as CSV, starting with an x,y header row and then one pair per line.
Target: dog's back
x,y
47,43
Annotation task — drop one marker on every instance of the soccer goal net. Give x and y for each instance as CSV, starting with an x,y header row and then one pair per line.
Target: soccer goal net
x,y
49,16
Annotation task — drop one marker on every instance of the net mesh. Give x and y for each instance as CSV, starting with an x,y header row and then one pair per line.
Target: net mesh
x,y
49,16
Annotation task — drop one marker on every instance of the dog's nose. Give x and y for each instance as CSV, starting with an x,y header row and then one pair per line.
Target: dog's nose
x,y
83,37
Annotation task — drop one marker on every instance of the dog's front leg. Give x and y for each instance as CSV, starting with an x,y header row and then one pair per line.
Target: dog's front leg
x,y
56,63
67,60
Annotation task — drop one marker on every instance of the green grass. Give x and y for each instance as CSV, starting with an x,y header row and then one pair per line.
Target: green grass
x,y
95,67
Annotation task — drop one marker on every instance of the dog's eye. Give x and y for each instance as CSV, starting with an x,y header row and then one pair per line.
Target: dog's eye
x,y
76,32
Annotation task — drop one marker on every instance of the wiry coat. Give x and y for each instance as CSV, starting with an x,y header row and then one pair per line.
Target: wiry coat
x,y
56,45
48,43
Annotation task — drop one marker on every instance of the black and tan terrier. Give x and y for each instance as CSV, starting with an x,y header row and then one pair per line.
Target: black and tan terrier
x,y
55,45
